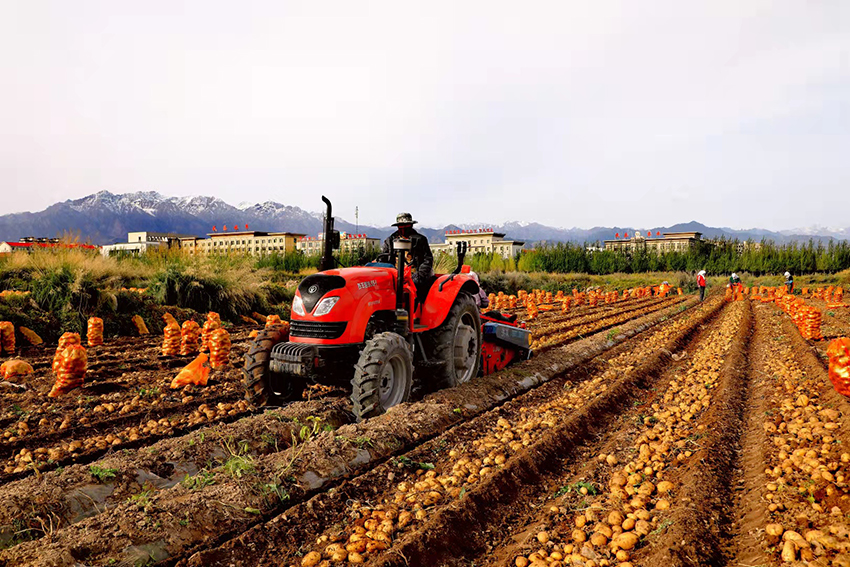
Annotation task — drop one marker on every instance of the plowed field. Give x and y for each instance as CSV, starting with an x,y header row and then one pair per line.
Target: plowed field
x,y
653,431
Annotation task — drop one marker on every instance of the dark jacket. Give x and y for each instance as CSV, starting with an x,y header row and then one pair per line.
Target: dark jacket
x,y
423,260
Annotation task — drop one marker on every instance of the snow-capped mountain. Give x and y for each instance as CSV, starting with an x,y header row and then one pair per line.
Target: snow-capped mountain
x,y
106,217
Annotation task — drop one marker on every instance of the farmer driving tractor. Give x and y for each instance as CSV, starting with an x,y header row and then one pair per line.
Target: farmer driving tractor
x,y
419,256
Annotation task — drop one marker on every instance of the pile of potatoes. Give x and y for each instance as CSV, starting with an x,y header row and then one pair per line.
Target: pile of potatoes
x,y
419,491
557,338
637,494
807,468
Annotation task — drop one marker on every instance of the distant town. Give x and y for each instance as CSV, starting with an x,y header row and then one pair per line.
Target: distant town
x,y
259,243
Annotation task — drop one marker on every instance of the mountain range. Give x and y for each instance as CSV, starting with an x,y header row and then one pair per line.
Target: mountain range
x,y
106,218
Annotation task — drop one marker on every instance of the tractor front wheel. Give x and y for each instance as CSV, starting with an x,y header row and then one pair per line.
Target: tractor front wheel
x,y
383,376
256,376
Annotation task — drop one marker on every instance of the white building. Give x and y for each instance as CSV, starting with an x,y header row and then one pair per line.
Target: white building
x,y
483,240
312,246
141,242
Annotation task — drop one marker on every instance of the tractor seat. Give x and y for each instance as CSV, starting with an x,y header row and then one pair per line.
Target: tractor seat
x,y
498,316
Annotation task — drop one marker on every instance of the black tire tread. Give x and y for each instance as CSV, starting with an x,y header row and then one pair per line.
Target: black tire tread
x,y
255,372
365,387
439,344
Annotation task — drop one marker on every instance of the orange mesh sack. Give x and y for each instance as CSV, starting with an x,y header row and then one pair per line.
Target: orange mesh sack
x,y
273,320
140,325
171,336
810,324
14,368
190,338
72,370
196,372
31,336
219,348
253,334
7,337
95,331
839,365
66,340
212,323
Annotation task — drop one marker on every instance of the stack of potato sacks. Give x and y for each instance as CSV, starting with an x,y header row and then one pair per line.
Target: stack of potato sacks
x,y
839,365
531,306
172,336
219,348
95,331
810,324
69,363
7,337
190,338
212,323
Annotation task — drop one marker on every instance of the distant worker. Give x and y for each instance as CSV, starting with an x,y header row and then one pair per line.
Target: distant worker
x,y
701,284
419,256
789,282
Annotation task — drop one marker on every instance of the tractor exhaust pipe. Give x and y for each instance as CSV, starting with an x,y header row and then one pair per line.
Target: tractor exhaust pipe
x,y
331,239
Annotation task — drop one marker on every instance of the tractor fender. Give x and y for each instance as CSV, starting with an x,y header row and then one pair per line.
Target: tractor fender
x,y
438,303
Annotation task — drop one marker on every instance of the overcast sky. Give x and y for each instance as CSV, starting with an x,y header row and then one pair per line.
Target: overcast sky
x,y
569,113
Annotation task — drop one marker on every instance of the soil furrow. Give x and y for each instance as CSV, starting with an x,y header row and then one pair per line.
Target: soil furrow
x,y
60,498
571,526
796,500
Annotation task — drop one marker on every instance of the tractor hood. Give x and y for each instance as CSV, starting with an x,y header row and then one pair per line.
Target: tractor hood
x,y
313,288
357,281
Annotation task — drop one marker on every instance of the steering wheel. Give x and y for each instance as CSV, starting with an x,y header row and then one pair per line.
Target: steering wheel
x,y
384,258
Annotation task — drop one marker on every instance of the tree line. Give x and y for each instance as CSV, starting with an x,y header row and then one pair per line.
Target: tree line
x,y
718,257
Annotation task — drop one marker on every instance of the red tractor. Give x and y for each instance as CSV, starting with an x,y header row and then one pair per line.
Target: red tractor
x,y
366,327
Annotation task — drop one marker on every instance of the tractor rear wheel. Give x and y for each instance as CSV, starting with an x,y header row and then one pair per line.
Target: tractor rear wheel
x,y
256,376
456,344
383,376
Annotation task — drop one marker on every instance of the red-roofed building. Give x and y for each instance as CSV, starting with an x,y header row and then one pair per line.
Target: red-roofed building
x,y
28,244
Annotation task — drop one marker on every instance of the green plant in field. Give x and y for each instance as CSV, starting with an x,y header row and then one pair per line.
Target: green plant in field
x,y
406,462
143,498
275,489
307,431
581,487
103,474
149,392
239,463
200,480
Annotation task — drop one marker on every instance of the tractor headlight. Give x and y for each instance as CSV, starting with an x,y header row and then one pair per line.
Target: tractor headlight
x,y
298,306
325,306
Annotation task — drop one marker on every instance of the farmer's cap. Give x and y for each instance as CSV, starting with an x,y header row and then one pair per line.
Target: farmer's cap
x,y
404,218
787,274
702,272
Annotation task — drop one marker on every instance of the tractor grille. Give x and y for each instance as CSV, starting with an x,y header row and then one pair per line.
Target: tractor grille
x,y
316,330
